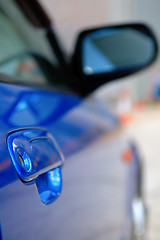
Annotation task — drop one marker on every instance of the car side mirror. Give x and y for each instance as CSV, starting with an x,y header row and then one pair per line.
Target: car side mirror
x,y
107,53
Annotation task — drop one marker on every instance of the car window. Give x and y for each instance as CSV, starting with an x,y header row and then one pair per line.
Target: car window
x,y
19,39
25,67
10,42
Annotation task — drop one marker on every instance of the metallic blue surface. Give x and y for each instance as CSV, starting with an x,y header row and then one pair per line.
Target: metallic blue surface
x,y
49,185
91,186
0,233
71,122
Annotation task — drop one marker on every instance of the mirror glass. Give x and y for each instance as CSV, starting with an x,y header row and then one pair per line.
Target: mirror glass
x,y
116,49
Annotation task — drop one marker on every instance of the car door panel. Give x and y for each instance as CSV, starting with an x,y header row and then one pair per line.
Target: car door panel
x,y
92,204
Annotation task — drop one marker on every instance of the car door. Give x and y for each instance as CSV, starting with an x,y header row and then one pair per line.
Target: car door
x,y
93,197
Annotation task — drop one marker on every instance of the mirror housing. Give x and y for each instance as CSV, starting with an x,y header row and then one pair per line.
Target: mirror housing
x,y
108,53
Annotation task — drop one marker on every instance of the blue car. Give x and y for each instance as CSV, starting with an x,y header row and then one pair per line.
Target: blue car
x,y
67,170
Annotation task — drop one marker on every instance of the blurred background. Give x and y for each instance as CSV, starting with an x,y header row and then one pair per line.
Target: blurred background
x,y
136,99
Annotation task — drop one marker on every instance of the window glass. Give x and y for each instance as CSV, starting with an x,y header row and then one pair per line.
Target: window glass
x,y
25,67
10,42
19,41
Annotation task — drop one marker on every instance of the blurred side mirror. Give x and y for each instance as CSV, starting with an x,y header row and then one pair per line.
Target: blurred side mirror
x,y
108,53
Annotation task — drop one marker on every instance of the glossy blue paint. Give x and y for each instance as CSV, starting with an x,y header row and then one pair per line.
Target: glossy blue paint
x,y
0,233
37,108
71,122
49,185
89,168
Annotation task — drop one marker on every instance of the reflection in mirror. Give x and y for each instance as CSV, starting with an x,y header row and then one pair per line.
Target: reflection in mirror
x,y
116,49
